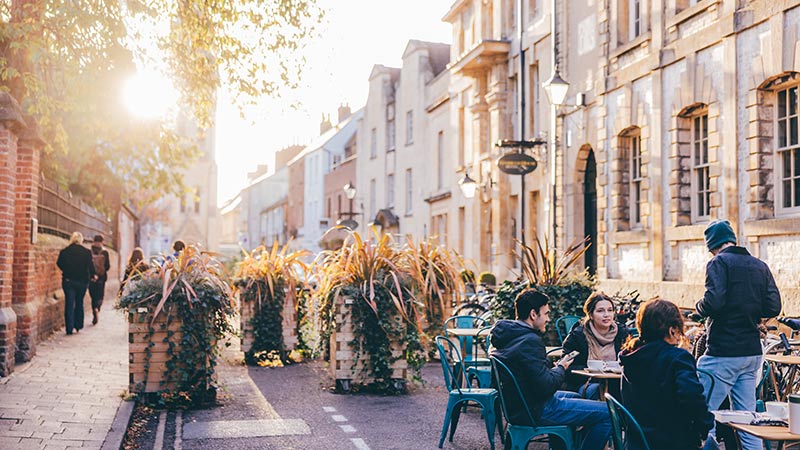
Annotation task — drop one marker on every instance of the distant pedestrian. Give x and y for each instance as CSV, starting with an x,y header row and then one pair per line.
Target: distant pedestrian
x,y
75,262
740,291
178,247
97,285
136,266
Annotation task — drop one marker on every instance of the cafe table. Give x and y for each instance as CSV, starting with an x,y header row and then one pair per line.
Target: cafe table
x,y
602,377
779,435
792,362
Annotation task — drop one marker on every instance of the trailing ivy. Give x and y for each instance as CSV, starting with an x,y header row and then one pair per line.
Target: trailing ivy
x,y
267,321
189,290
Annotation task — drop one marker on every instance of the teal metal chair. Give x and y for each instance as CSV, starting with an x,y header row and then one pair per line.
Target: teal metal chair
x,y
467,343
564,324
459,395
623,425
480,373
516,437
710,376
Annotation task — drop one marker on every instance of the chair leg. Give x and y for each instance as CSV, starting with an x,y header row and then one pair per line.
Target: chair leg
x,y
489,418
454,420
446,425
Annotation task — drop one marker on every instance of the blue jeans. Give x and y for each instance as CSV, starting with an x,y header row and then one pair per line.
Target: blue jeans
x,y
74,291
736,376
568,408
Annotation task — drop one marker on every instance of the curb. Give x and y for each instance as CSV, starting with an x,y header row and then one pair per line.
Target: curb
x,y
113,440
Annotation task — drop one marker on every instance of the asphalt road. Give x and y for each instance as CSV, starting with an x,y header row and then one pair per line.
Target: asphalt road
x,y
299,398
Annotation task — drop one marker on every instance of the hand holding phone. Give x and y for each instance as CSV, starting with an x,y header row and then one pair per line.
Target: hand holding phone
x,y
567,359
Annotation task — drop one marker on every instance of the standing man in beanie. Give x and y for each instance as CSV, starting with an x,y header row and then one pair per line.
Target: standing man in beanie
x,y
97,285
740,291
75,262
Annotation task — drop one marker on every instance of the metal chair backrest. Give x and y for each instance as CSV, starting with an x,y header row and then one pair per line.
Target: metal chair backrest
x,y
623,424
568,322
506,381
483,339
448,352
465,322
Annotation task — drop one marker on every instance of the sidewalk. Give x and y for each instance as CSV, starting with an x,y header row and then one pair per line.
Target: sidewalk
x,y
68,395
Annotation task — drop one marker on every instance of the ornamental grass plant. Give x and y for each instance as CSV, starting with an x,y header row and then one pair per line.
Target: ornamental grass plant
x,y
554,272
266,279
178,309
366,285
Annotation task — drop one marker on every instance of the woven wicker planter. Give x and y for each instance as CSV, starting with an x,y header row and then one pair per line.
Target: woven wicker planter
x,y
343,364
248,309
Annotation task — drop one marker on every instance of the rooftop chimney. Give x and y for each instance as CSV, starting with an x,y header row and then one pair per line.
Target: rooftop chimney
x,y
325,125
344,112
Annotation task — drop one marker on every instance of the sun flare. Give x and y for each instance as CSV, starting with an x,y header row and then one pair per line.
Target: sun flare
x,y
149,95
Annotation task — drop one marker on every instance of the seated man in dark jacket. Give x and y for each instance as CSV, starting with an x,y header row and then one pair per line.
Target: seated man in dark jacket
x,y
518,344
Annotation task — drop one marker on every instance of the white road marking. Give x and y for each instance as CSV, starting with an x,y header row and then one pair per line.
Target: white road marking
x,y
339,418
360,444
178,430
162,426
329,409
347,428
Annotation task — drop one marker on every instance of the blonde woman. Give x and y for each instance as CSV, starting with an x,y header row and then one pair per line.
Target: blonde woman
x,y
75,262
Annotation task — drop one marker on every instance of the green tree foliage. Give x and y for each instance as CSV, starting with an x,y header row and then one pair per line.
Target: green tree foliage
x,y
65,62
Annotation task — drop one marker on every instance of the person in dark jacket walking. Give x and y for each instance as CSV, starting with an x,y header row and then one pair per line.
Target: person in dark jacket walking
x,y
659,384
75,262
740,291
97,285
597,337
519,345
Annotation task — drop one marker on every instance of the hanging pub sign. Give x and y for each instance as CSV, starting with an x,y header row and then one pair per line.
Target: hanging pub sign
x,y
516,163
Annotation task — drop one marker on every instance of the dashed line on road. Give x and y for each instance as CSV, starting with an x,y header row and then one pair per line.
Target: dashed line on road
x,y
339,418
360,444
329,409
348,428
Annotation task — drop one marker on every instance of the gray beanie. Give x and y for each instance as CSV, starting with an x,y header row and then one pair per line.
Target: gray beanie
x,y
718,233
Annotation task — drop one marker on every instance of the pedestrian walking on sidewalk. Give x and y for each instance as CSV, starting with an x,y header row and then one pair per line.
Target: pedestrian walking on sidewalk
x,y
97,285
75,262
740,291
136,266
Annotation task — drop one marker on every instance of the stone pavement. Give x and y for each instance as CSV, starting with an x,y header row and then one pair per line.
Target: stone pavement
x,y
67,396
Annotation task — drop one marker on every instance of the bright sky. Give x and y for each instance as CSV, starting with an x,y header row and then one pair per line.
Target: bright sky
x,y
356,35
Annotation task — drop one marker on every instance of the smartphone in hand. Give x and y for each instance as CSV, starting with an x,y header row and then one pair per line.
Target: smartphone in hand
x,y
567,359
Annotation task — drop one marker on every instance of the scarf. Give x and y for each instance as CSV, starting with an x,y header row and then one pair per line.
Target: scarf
x,y
601,346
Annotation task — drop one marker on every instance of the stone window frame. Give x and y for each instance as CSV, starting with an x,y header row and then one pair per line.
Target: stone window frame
x,y
682,183
790,148
627,181
625,22
764,164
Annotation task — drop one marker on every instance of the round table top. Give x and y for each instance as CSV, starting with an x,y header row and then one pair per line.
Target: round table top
x,y
599,375
783,359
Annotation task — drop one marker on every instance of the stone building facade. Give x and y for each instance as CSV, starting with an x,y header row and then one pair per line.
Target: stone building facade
x,y
679,112
404,175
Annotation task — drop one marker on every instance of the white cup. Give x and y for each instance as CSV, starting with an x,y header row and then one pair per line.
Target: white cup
x,y
779,410
794,413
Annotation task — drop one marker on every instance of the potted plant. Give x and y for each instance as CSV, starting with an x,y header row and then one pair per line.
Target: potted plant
x,y
368,315
554,272
267,280
178,310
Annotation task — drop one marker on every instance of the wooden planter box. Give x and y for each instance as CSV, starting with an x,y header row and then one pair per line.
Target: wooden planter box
x,y
343,365
143,379
289,323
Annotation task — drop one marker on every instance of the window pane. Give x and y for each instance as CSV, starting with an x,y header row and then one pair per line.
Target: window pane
x,y
787,193
705,126
796,171
787,164
793,131
793,101
705,152
781,104
796,192
782,133
696,128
